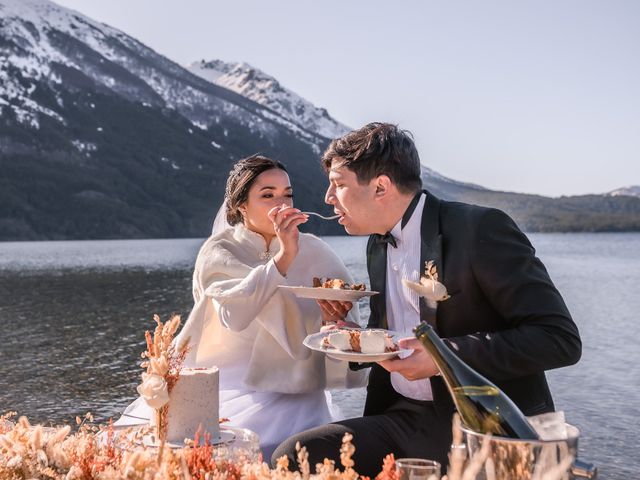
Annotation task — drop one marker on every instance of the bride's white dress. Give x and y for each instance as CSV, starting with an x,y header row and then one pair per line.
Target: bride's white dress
x,y
253,332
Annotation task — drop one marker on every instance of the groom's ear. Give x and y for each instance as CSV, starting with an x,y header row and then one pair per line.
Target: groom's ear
x,y
383,184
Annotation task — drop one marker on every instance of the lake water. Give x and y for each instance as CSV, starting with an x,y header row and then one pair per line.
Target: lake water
x,y
73,316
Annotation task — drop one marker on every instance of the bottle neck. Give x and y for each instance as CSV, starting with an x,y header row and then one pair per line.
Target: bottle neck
x,y
482,406
456,373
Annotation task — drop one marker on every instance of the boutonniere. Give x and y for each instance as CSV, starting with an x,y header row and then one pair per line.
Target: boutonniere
x,y
429,287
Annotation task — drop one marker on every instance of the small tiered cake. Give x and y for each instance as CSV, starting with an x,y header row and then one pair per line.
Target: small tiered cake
x,y
194,402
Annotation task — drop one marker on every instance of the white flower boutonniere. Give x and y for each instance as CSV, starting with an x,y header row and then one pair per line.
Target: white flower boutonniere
x,y
429,287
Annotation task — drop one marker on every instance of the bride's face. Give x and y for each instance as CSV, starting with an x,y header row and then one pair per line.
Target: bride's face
x,y
270,189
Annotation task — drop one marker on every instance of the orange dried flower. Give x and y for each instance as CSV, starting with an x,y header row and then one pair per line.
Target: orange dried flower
x,y
200,458
388,469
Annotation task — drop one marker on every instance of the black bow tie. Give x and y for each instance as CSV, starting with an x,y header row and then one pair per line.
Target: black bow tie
x,y
387,238
390,239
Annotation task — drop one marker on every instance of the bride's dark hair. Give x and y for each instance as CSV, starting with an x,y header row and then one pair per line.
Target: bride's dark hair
x,y
241,177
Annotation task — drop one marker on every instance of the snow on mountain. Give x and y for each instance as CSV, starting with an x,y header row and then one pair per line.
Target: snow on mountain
x,y
44,42
256,85
32,25
430,175
630,191
21,20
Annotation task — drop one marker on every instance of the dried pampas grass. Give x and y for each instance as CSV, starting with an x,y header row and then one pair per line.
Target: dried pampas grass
x,y
93,453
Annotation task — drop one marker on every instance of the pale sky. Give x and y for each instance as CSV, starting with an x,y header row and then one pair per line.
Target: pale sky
x,y
528,96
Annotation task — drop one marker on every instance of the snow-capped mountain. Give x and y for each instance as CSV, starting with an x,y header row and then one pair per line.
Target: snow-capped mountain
x,y
47,40
630,191
256,85
102,137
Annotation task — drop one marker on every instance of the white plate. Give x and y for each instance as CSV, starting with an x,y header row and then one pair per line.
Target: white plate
x,y
314,342
226,436
328,293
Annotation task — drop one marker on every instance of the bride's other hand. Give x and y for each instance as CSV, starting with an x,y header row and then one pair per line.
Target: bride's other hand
x,y
328,327
335,312
285,224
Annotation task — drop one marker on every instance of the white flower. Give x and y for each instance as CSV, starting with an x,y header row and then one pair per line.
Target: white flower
x,y
432,290
429,287
154,390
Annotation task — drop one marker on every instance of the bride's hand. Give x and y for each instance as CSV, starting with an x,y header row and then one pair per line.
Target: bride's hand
x,y
334,311
285,224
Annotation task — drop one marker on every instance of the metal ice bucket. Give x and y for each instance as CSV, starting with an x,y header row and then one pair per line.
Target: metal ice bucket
x,y
528,459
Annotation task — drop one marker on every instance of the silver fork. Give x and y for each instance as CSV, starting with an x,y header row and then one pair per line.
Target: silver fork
x,y
332,217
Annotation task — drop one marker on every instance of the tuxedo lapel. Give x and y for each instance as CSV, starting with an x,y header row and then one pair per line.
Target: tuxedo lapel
x,y
377,268
430,249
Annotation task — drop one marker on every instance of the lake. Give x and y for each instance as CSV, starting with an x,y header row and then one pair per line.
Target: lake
x,y
74,314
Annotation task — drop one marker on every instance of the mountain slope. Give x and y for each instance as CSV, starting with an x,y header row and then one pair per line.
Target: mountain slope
x,y
267,91
101,137
537,213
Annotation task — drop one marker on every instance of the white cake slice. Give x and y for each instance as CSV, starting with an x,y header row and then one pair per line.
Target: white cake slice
x,y
340,340
372,341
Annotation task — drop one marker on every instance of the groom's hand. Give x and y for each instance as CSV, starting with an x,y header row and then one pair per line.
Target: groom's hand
x,y
416,366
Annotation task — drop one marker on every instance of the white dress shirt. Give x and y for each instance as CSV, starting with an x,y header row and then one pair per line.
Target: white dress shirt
x,y
403,307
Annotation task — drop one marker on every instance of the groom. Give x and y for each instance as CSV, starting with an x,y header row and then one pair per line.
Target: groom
x,y
504,318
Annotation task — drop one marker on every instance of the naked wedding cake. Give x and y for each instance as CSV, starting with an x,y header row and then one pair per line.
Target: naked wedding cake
x,y
194,403
185,400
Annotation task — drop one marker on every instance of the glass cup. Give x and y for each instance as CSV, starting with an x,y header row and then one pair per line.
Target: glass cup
x,y
417,469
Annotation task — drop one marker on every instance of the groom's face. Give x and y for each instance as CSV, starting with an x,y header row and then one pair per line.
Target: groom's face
x,y
353,201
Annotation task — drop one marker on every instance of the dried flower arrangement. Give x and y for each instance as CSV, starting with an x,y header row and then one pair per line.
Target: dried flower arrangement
x,y
163,364
37,452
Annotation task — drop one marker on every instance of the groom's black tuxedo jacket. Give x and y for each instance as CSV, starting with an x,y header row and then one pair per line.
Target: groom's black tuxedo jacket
x,y
505,317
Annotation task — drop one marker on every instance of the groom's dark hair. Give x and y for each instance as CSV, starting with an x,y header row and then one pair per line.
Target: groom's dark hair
x,y
378,149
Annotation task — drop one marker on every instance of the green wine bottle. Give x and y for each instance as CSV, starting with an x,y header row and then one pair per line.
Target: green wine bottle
x,y
482,406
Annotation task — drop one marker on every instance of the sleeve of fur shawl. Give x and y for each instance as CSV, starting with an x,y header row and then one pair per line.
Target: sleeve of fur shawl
x,y
242,294
240,300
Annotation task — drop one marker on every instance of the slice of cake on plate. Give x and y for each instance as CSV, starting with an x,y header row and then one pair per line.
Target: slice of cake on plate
x,y
360,341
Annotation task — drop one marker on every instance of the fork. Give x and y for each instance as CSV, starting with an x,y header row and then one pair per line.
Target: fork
x,y
332,217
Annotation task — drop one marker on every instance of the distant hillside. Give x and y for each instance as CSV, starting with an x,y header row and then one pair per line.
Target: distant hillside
x,y
102,137
536,213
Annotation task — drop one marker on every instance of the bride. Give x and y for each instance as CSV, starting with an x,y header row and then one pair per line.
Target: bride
x,y
250,329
